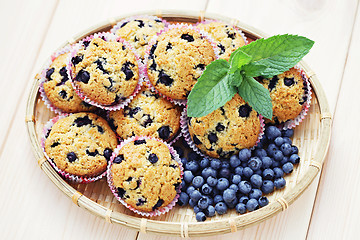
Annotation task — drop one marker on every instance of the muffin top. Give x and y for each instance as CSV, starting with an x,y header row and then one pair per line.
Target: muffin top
x,y
227,38
148,114
58,88
177,59
107,72
81,144
227,130
288,92
145,174
139,31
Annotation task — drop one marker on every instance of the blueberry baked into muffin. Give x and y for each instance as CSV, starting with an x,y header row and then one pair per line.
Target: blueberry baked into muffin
x,y
145,174
148,114
81,144
227,38
288,92
177,59
58,89
138,31
227,130
106,72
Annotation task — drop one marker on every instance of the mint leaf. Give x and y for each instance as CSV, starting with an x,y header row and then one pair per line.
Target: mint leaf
x,y
235,78
237,60
257,96
279,53
211,91
253,70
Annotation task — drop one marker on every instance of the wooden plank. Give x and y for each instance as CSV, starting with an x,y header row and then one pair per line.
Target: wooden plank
x,y
336,212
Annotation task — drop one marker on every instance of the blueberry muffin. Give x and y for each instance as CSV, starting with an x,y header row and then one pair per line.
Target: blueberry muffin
x,y
139,31
227,38
148,114
227,130
177,59
145,174
58,89
81,144
288,92
106,72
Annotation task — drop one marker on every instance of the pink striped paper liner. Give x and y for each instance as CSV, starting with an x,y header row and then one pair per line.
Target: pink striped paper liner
x,y
113,189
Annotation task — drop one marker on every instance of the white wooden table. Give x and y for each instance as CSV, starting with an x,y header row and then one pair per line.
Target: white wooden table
x,y
32,207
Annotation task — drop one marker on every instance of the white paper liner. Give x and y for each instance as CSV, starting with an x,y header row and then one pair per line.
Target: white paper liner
x,y
113,189
186,134
180,102
64,174
107,37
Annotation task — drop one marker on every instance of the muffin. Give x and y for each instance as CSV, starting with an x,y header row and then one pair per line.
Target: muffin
x,y
105,71
145,174
139,30
227,38
288,92
56,87
80,144
148,114
176,59
227,130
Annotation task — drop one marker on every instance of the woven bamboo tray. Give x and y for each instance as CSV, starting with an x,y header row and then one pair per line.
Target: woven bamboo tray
x,y
312,137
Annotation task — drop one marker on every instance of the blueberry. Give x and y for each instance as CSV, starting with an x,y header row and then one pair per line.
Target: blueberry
x,y
222,48
266,162
236,179
211,181
289,81
75,60
218,198
71,156
222,184
262,143
49,72
107,153
200,217
225,173
206,189
212,138
275,164
247,172
287,140
263,201
288,167
271,149
192,203
187,37
193,156
82,121
229,195
183,161
267,187
244,155
279,141
183,186
286,149
225,164
121,192
294,149
188,176
255,194
256,181
245,110
83,76
205,162
190,189
244,199
279,183
260,152
215,163
207,172
284,160
252,205
240,208
221,208
244,187
287,133
63,94
196,209
220,127
196,140
232,204
294,159
139,141
234,161
179,151
183,199
210,211
118,159
164,132
198,181
278,172
195,195
272,132
203,203
239,170
278,155
164,79
234,187
192,166
153,158
255,163
268,174
158,204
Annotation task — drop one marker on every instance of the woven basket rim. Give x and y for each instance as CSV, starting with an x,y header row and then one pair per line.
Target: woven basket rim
x,y
185,229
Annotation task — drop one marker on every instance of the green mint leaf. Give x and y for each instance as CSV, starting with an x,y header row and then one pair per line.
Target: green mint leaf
x,y
253,70
257,96
235,78
211,91
279,53
237,60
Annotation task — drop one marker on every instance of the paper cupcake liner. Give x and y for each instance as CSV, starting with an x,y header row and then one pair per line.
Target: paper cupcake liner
x,y
43,79
180,102
186,134
296,121
235,27
156,212
107,37
64,174
118,25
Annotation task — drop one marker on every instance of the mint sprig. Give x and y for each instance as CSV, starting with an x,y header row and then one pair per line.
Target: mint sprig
x,y
263,57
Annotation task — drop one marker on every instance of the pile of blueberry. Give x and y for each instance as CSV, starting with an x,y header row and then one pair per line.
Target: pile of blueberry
x,y
214,186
